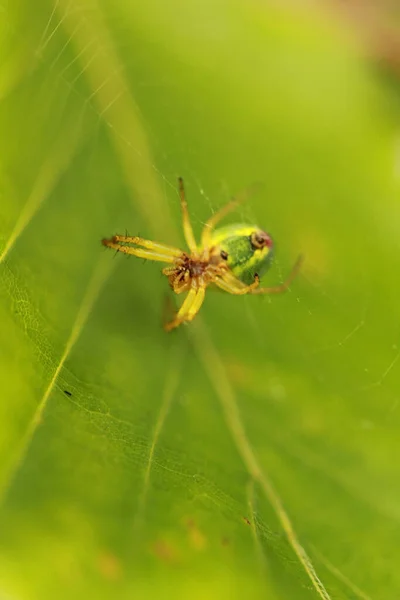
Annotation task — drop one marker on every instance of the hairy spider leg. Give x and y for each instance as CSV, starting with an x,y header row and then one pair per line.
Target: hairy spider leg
x,y
155,246
235,286
189,308
278,289
225,210
140,252
187,225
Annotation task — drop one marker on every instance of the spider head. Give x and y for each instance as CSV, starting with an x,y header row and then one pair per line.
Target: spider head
x,y
247,250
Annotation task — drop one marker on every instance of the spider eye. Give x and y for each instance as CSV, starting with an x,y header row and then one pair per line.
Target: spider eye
x,y
224,255
260,239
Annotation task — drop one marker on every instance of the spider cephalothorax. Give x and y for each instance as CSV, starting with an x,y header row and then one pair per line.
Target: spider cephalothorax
x,y
195,270
231,258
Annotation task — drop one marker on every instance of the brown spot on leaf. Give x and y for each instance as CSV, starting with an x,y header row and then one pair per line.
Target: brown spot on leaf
x,y
165,551
225,541
197,539
247,521
109,566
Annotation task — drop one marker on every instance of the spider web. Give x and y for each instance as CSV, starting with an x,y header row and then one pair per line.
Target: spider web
x,y
315,372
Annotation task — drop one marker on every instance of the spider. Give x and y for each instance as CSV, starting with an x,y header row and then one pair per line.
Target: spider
x,y
231,258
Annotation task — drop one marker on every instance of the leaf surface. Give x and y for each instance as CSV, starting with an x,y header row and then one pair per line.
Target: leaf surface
x,y
253,453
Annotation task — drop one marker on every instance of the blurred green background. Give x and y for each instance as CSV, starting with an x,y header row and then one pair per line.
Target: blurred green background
x,y
254,453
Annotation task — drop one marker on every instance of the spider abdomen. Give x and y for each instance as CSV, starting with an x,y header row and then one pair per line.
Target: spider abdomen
x,y
248,248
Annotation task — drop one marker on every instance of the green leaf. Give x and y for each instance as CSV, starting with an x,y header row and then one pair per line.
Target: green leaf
x,y
252,453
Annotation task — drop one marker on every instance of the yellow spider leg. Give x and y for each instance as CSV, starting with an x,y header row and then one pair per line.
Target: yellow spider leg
x,y
139,252
138,241
198,301
222,212
187,226
235,286
182,311
189,308
278,289
215,218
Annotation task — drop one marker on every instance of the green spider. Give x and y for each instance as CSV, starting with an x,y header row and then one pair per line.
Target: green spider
x,y
232,258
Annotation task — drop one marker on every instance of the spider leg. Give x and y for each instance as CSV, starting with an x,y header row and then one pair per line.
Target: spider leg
x,y
222,212
139,252
232,285
189,308
187,225
214,219
138,241
278,289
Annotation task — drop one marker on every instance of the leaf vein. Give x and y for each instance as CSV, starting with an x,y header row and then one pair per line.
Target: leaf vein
x,y
99,277
215,371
